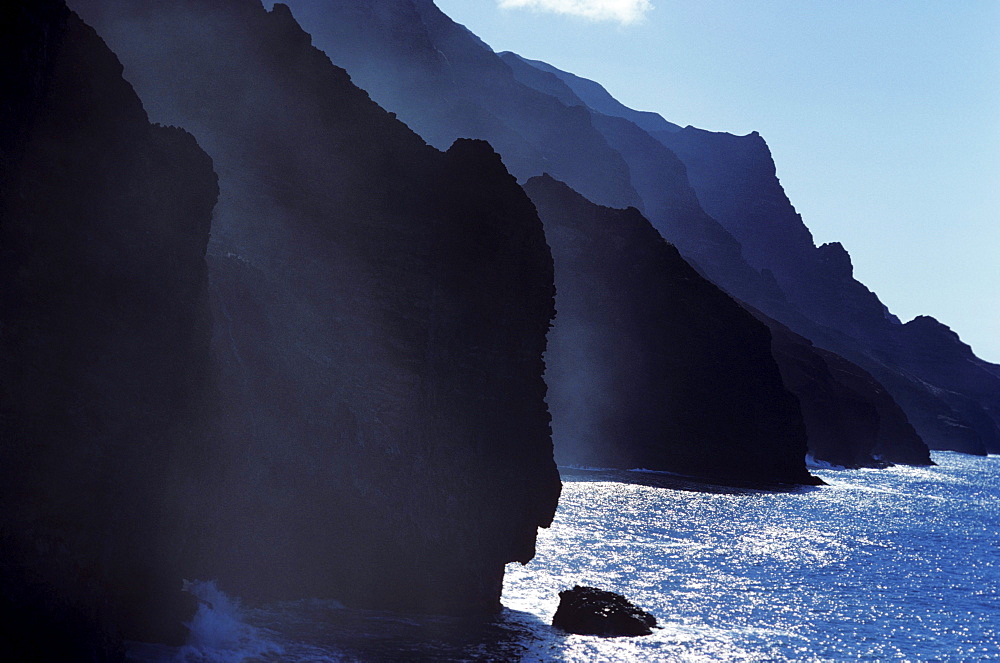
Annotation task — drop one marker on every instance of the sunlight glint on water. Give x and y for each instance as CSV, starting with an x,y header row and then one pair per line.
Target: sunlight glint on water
x,y
880,564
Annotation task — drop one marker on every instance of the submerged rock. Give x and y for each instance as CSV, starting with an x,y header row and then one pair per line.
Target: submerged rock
x,y
592,611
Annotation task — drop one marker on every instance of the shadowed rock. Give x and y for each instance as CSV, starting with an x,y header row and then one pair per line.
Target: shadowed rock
x,y
649,365
104,342
951,397
344,400
380,312
445,83
850,418
591,611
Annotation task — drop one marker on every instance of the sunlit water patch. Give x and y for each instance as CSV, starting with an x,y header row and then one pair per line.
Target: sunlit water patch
x,y
900,563
880,564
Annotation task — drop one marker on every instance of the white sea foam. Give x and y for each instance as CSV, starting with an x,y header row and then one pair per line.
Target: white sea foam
x,y
588,468
218,631
813,464
880,566
643,470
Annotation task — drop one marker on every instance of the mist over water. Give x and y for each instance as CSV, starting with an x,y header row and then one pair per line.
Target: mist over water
x,y
880,564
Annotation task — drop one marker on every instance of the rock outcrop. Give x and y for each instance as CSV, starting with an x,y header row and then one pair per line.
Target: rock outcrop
x,y
591,611
341,397
649,365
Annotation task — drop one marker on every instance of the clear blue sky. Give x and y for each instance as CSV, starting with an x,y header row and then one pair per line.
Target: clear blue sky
x,y
883,117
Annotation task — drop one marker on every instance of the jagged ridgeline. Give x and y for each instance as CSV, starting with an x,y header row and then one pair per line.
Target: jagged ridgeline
x,y
950,396
445,82
715,196
337,393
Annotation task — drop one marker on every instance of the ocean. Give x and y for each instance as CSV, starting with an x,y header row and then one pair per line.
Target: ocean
x,y
894,564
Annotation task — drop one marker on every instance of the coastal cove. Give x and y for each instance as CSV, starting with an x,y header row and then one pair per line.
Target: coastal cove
x,y
899,563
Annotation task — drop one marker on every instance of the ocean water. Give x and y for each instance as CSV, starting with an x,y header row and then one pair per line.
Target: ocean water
x,y
902,563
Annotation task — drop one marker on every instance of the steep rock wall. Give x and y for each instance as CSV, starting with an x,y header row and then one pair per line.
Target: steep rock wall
x,y
380,314
951,396
948,394
104,337
650,365
851,419
344,400
445,84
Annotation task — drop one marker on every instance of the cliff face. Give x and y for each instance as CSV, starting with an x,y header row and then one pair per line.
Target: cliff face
x,y
850,418
439,78
650,365
344,400
660,179
446,84
950,395
951,399
104,336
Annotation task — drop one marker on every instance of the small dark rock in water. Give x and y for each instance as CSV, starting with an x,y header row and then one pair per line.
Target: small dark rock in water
x,y
590,611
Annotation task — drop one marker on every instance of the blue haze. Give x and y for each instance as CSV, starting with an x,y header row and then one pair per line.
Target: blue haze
x,y
883,118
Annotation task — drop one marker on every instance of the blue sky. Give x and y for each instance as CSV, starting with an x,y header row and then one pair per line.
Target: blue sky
x,y
883,117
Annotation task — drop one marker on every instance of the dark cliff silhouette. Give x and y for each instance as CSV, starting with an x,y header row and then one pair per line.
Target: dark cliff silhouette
x,y
668,200
950,396
851,419
104,220
649,365
342,397
379,42
445,84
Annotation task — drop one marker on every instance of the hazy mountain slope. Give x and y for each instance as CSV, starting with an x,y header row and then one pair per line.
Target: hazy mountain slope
x,y
446,84
650,365
655,171
594,96
376,428
736,182
670,202
850,418
949,395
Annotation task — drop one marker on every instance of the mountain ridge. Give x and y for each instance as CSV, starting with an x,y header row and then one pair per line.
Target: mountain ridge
x,y
735,180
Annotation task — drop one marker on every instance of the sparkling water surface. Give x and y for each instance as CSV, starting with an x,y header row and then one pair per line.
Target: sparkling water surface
x,y
901,563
